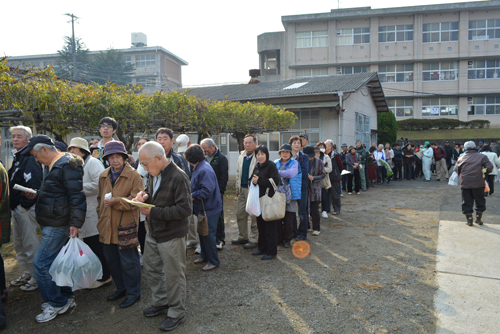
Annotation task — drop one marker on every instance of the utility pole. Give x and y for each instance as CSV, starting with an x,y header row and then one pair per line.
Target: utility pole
x,y
73,18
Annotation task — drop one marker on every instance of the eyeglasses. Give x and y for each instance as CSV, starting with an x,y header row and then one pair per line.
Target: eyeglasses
x,y
106,126
145,164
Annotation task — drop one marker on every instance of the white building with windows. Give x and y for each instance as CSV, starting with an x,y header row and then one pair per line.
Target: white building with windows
x,y
317,102
156,69
433,60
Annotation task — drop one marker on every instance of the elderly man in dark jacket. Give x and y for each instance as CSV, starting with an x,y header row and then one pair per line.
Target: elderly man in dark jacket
x,y
219,163
60,211
26,172
169,190
470,168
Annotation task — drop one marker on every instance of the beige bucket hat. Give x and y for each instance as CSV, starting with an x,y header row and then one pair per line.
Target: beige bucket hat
x,y
80,143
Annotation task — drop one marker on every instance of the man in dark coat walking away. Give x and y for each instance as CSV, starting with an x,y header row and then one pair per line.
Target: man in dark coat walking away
x,y
219,163
470,169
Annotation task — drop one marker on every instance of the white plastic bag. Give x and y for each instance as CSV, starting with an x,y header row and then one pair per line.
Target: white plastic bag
x,y
76,266
253,203
87,268
59,270
454,180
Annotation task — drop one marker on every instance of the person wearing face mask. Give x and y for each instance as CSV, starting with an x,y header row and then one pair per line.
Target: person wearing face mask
x,y
327,162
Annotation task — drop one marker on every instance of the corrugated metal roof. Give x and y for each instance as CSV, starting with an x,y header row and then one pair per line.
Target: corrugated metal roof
x,y
285,88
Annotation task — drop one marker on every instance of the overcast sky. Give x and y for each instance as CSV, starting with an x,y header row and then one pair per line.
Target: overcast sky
x,y
217,38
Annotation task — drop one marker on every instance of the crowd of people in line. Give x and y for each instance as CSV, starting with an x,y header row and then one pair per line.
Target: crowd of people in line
x,y
82,190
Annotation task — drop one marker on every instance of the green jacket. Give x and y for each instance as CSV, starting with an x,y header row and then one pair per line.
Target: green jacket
x,y
362,153
4,206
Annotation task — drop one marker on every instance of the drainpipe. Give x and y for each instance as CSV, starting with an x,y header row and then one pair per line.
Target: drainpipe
x,y
341,137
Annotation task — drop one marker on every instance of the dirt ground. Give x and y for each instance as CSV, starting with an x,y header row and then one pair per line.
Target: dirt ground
x,y
370,271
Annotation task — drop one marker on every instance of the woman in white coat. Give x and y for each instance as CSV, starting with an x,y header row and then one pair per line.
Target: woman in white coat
x,y
92,169
490,178
427,161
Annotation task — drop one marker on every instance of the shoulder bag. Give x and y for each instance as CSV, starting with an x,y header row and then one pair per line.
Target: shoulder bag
x,y
127,235
273,208
202,221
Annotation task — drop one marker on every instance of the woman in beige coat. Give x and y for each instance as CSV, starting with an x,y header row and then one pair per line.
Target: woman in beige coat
x,y
119,180
92,169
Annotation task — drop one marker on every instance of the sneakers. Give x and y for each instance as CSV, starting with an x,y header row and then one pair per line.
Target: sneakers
x,y
220,245
198,249
191,245
71,302
324,214
341,195
30,285
50,312
153,311
21,280
171,323
316,233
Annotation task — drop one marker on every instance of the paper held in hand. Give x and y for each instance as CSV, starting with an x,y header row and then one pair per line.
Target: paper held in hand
x,y
138,204
344,172
24,189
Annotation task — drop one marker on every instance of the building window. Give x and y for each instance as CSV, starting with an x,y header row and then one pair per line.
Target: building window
x,y
353,36
436,106
146,81
401,107
440,71
484,105
311,72
395,73
308,39
440,32
128,60
484,69
145,61
353,69
391,34
363,128
484,29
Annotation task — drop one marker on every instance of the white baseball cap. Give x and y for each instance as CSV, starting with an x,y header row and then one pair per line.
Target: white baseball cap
x,y
182,142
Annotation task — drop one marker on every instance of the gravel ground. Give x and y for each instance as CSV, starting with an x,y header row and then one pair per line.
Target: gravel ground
x,y
370,271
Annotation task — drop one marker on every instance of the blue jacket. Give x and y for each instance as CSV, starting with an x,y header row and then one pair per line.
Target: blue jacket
x,y
398,154
204,186
303,160
296,181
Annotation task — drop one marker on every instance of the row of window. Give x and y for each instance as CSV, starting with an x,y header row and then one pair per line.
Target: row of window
x,y
431,33
444,71
446,106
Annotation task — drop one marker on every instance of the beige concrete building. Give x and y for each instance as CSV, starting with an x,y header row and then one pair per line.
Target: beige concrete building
x,y
155,67
433,61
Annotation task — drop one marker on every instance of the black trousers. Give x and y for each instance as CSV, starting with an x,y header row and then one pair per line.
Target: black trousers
x,y
284,228
357,181
491,182
469,196
418,169
334,196
398,174
408,175
221,231
314,210
96,246
268,240
141,235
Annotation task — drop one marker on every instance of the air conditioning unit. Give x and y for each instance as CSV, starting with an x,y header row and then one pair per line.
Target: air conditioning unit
x,y
469,99
470,63
339,32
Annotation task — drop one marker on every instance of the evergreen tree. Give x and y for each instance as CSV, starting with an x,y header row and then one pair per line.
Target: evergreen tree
x,y
386,121
109,66
66,66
